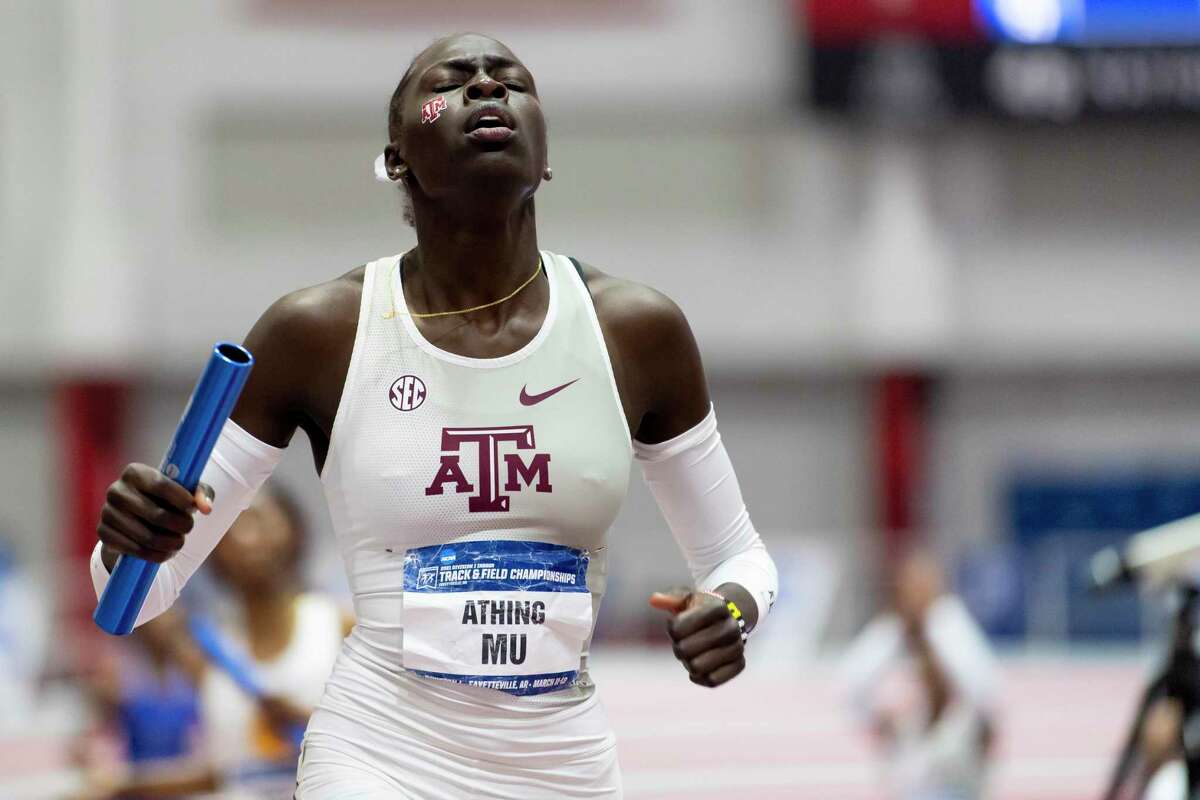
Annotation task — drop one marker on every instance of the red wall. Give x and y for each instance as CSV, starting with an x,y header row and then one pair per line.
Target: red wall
x,y
835,22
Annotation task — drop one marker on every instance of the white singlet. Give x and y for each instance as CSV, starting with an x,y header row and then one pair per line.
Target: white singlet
x,y
471,500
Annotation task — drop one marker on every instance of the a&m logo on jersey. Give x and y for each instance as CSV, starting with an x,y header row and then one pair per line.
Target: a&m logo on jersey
x,y
516,471
407,393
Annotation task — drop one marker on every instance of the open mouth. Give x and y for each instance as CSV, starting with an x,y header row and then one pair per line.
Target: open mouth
x,y
490,116
491,123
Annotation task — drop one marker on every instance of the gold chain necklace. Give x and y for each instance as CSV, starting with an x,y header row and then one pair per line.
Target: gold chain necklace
x,y
394,313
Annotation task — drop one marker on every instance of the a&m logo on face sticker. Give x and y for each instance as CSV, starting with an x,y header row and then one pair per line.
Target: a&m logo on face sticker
x,y
432,109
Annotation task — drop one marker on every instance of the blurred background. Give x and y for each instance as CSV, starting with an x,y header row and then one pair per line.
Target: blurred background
x,y
938,254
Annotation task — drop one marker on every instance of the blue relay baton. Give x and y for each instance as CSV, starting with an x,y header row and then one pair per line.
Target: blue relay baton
x,y
226,657
211,403
221,654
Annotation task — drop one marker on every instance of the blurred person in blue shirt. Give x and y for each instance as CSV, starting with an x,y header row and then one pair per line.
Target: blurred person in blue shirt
x,y
157,710
147,696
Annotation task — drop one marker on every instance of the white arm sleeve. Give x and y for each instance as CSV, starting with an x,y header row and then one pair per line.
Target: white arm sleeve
x,y
691,478
239,465
962,651
873,652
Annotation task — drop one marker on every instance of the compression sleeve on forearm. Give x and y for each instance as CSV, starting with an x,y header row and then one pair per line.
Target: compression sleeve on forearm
x,y
239,465
692,479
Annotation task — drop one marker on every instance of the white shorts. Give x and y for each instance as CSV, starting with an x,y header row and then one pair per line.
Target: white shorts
x,y
327,774
382,733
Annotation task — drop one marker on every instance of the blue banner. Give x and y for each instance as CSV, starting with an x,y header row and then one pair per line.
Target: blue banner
x,y
1093,22
495,566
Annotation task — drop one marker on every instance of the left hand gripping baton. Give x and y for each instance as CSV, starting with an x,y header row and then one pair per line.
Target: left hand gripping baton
x,y
212,402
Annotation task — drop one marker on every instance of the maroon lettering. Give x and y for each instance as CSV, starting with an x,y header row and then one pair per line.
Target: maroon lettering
x,y
487,442
449,472
537,469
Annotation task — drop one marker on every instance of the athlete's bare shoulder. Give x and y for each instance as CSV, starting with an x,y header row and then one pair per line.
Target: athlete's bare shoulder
x,y
314,312
654,354
631,308
301,346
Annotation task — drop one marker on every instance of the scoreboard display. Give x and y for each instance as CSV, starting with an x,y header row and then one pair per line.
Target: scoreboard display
x,y
1049,60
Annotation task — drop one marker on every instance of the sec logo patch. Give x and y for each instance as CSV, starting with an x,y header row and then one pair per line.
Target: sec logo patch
x,y
407,393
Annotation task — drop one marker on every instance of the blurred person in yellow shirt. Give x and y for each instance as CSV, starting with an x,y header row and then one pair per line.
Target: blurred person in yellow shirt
x,y
146,696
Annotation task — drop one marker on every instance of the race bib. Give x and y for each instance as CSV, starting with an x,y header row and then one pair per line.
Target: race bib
x,y
506,615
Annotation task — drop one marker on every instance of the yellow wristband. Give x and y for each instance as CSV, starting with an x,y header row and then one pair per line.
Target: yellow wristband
x,y
734,612
733,609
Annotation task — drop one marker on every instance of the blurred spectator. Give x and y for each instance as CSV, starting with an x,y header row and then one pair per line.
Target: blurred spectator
x,y
1162,751
148,696
288,639
936,735
284,639
24,626
156,703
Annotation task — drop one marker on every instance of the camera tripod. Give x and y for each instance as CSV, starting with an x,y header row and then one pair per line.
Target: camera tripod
x,y
1178,680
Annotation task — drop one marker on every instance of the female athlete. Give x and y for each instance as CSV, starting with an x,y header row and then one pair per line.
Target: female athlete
x,y
473,407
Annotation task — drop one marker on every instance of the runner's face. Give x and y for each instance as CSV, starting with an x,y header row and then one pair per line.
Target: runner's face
x,y
472,115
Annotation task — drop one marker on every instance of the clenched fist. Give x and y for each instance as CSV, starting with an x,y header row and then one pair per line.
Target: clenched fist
x,y
147,515
705,635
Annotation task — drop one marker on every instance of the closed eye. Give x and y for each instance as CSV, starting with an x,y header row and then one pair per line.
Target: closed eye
x,y
516,87
449,87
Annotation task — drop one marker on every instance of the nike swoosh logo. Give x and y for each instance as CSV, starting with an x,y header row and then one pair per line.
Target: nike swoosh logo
x,y
528,399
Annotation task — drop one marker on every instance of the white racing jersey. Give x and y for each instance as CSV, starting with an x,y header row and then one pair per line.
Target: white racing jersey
x,y
471,500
